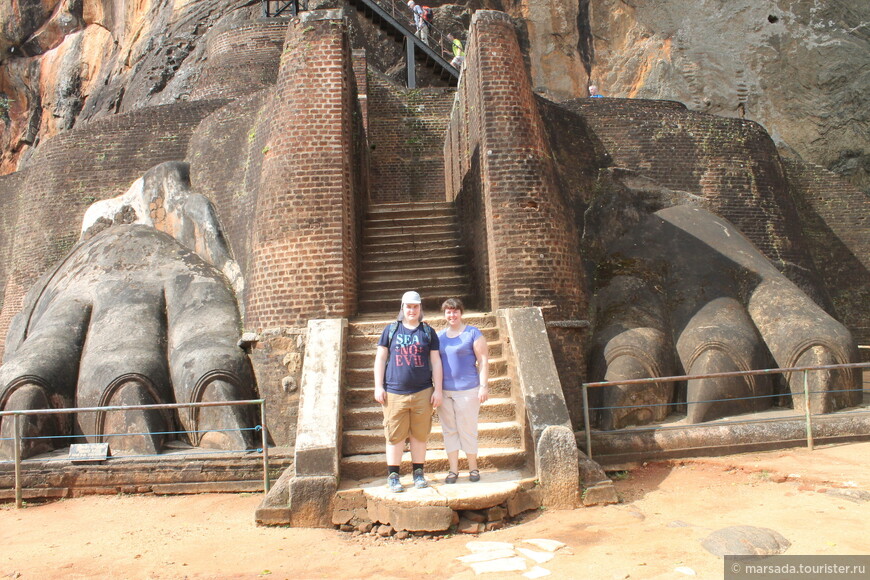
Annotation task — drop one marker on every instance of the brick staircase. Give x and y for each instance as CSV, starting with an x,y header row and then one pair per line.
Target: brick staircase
x,y
500,433
411,246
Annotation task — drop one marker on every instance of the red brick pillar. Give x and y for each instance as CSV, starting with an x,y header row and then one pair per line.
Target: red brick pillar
x,y
534,257
533,244
304,250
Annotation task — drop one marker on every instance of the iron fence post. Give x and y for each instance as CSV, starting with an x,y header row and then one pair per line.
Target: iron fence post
x,y
16,424
265,448
808,414
588,427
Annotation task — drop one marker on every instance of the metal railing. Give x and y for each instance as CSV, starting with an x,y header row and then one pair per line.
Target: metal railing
x,y
437,39
17,439
275,8
808,415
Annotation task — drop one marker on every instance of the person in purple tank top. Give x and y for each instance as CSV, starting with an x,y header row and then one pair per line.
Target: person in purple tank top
x,y
465,363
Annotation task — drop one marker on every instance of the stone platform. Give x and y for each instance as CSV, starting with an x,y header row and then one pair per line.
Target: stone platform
x,y
498,494
178,470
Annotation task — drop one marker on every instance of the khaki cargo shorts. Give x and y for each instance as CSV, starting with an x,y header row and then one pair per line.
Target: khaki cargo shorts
x,y
408,415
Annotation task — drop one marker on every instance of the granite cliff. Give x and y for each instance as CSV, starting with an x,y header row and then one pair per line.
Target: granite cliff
x,y
798,67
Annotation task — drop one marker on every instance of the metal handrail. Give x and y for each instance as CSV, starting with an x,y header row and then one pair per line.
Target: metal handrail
x,y
17,414
398,10
672,379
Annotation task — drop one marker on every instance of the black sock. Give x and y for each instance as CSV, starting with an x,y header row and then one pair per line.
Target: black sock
x,y
392,469
416,466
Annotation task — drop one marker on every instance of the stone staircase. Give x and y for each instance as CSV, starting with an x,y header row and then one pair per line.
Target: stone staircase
x,y
500,431
411,246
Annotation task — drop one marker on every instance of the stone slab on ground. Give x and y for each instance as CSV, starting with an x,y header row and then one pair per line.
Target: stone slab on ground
x,y
432,508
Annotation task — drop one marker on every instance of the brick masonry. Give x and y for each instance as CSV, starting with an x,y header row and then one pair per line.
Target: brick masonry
x,y
304,248
533,256
406,134
835,217
733,164
241,58
48,197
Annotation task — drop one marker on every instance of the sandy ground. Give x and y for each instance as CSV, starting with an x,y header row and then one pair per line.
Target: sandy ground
x,y
667,509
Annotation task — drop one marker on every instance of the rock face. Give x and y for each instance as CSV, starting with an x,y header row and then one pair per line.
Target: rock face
x,y
799,68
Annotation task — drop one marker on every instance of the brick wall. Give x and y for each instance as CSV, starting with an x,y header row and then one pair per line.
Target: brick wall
x,y
226,157
835,217
304,248
732,163
406,135
533,244
72,170
241,58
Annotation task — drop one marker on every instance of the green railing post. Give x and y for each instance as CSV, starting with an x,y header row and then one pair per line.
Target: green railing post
x,y
16,425
265,447
586,421
808,413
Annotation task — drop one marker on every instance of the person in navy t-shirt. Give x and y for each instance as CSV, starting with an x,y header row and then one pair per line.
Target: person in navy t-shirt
x,y
408,383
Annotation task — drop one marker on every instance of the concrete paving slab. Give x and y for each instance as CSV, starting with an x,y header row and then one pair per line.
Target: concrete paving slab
x,y
546,545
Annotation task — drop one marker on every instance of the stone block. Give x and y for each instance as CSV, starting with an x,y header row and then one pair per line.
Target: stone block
x,y
421,518
523,501
557,467
378,512
495,514
467,526
473,515
311,501
273,516
602,494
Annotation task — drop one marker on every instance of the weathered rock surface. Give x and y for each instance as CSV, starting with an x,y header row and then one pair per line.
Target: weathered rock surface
x,y
745,541
799,68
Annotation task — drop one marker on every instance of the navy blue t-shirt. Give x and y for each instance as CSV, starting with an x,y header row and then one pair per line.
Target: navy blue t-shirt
x,y
409,368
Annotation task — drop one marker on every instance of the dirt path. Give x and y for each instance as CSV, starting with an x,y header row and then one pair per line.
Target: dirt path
x,y
667,510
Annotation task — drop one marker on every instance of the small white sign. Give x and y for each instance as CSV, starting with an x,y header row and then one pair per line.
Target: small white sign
x,y
88,452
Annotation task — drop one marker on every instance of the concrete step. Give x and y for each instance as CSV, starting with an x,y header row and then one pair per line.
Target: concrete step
x,y
402,221
497,365
370,466
407,259
383,211
433,298
402,272
364,395
367,342
361,359
401,249
375,234
374,289
505,434
372,417
362,376
415,237
487,324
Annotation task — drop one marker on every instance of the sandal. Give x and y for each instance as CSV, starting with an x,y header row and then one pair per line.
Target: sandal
x,y
474,475
451,477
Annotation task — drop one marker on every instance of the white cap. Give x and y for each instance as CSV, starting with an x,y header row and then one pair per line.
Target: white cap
x,y
411,297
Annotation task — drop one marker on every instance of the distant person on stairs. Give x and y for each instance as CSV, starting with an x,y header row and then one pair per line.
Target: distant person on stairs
x,y
465,360
457,50
408,382
422,16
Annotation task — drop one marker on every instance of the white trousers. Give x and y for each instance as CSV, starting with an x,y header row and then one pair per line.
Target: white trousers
x,y
458,416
